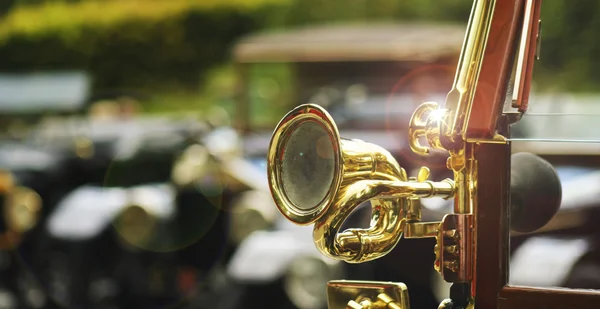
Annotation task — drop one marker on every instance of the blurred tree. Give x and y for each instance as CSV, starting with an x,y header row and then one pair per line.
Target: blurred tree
x,y
570,46
318,11
5,6
180,38
127,43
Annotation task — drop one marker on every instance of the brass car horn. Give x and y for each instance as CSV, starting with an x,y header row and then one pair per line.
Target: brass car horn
x,y
318,177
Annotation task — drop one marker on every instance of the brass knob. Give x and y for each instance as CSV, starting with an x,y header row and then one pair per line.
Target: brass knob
x,y
424,123
423,174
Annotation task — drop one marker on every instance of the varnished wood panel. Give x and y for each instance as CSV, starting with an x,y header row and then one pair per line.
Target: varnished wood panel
x,y
491,214
532,298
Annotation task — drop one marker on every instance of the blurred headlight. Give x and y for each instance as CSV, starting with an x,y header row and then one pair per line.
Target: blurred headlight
x,y
136,225
251,211
306,281
84,148
193,164
22,209
21,206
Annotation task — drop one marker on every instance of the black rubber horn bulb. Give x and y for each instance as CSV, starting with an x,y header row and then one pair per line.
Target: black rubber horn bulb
x,y
536,192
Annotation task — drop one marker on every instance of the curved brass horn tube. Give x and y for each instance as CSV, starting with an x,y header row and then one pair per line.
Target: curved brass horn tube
x,y
362,160
389,200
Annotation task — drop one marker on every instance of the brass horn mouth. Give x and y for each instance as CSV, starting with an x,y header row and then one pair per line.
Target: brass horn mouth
x,y
304,162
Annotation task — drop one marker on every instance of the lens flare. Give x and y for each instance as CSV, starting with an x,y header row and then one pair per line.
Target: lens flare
x,y
421,83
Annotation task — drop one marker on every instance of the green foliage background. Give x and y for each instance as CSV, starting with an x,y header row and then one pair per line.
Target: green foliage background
x,y
174,44
127,43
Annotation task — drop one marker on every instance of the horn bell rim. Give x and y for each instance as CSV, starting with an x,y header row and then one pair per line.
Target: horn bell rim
x,y
287,125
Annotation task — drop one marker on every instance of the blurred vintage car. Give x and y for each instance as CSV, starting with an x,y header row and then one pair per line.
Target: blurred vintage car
x,y
152,216
370,78
34,178
123,196
105,208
